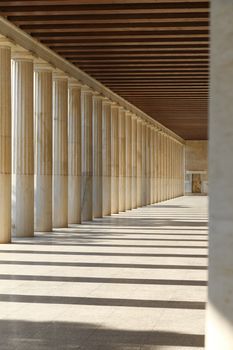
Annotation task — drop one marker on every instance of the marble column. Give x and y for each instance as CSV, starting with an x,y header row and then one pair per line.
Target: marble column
x,y
97,156
144,188
139,162
22,147
169,167
176,167
87,154
148,163
165,168
152,187
172,168
5,140
182,170
43,146
156,165
60,149
74,151
162,167
114,159
128,127
134,161
122,160
106,154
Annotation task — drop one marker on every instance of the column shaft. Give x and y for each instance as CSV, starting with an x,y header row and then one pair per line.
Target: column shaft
x,y
74,152
152,187
5,142
128,128
148,163
97,157
134,162
87,155
144,161
43,146
114,159
106,139
156,166
122,160
23,150
139,163
60,150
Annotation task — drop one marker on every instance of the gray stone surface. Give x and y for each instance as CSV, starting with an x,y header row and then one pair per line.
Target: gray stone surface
x,y
136,280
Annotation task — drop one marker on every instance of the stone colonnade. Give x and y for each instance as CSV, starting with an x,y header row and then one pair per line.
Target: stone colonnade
x,y
76,155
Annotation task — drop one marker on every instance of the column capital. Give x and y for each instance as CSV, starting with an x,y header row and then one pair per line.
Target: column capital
x,y
19,53
41,65
4,41
128,112
59,74
106,101
115,105
74,83
87,90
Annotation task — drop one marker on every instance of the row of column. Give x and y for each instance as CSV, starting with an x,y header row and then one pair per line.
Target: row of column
x,y
75,154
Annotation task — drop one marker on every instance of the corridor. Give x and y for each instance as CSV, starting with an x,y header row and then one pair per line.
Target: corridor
x,y
133,281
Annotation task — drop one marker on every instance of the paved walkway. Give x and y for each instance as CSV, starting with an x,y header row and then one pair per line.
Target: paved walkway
x,y
131,281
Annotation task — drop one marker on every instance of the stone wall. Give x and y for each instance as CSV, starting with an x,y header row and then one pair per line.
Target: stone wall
x,y
196,162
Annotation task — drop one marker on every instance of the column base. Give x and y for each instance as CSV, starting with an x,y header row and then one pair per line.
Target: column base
x,y
86,200
115,195
74,199
43,203
5,208
134,192
97,196
60,201
106,195
23,205
121,193
128,193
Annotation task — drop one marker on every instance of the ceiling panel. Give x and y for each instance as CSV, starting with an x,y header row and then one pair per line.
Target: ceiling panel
x,y
154,53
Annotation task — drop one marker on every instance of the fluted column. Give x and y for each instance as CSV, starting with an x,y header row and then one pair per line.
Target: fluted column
x,y
169,167
74,152
106,139
43,145
97,156
87,155
128,128
114,159
60,150
156,165
148,163
139,162
23,150
122,160
134,161
165,168
152,188
159,167
173,169
176,169
144,161
5,141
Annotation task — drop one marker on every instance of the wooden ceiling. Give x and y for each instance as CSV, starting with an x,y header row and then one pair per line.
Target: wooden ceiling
x,y
154,53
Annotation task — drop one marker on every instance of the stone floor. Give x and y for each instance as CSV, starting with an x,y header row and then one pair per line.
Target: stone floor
x,y
132,281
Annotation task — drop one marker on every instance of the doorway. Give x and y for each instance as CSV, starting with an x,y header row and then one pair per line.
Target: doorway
x,y
196,183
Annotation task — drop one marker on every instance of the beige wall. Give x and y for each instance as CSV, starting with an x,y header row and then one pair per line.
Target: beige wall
x,y
196,155
196,161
